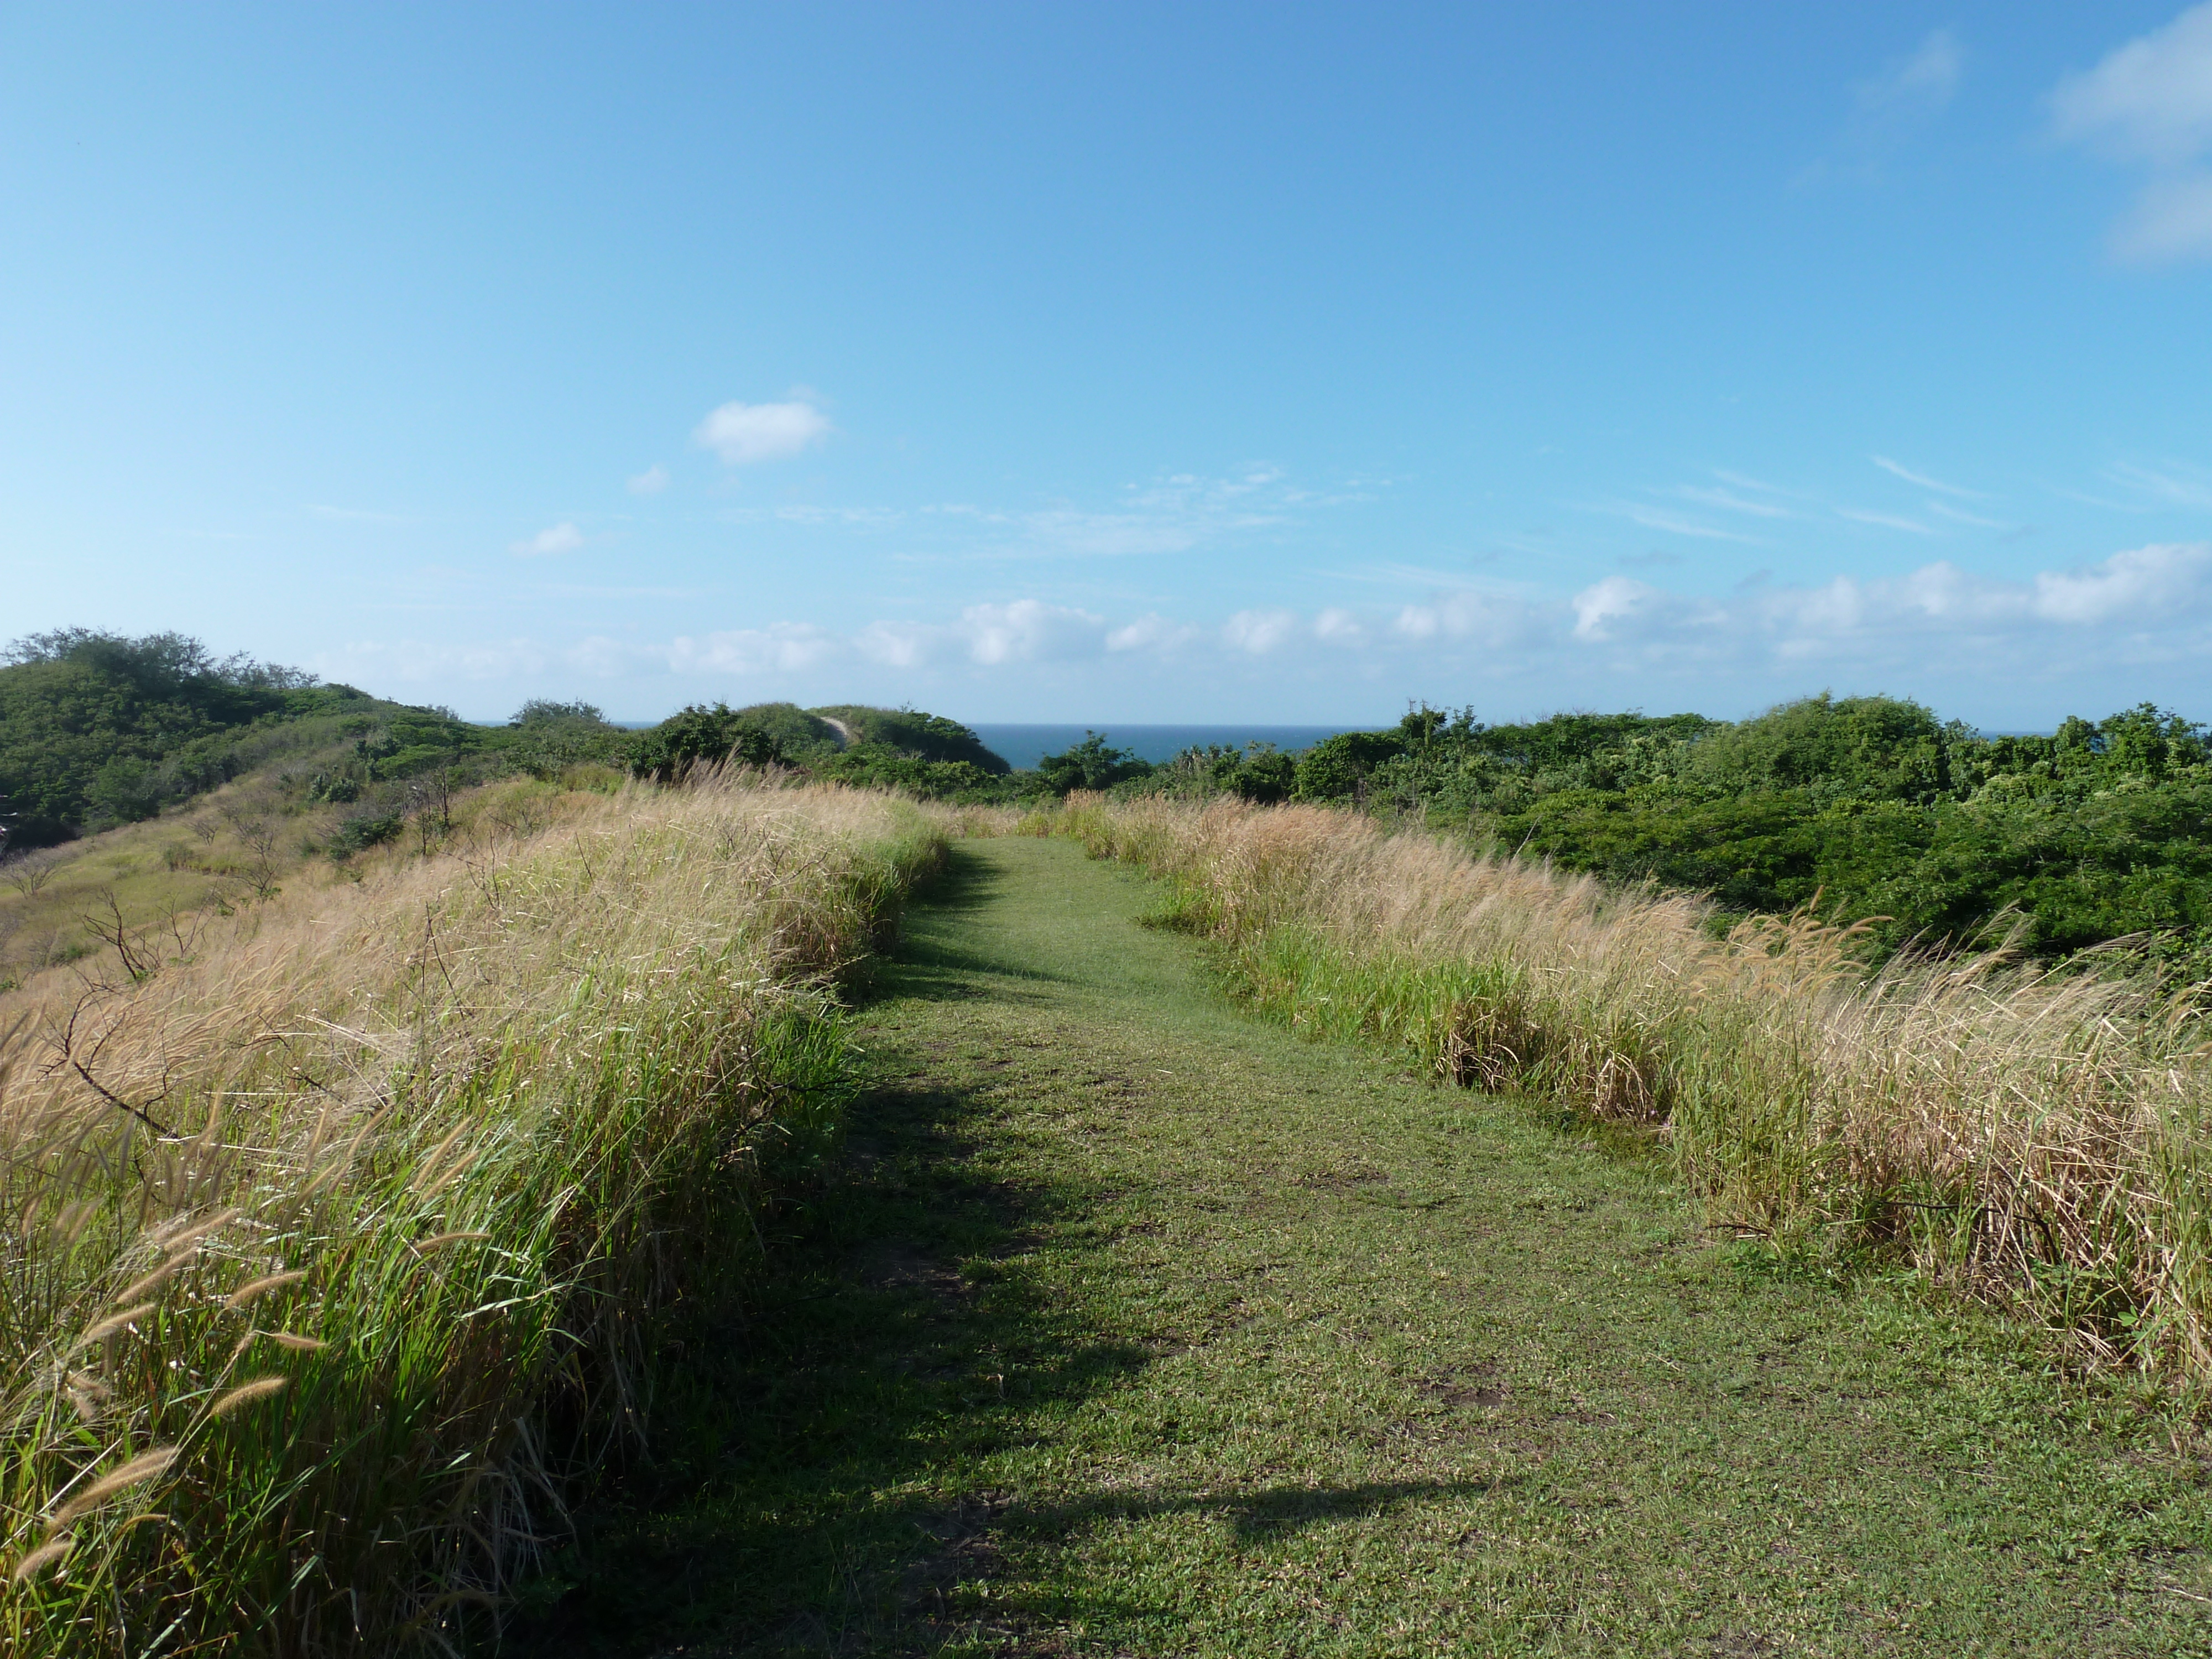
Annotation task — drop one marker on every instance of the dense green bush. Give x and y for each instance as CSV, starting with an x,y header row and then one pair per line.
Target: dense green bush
x,y
700,736
1259,772
96,728
879,766
1871,805
1090,764
364,830
1337,768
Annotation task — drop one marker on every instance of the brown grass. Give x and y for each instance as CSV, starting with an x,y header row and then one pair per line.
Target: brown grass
x,y
2036,1136
339,1236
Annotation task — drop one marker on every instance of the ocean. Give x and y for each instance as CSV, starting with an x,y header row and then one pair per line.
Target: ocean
x,y
1022,747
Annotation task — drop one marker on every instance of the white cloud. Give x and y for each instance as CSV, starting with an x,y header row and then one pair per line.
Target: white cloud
x,y
1923,82
2171,220
605,658
1259,632
2143,607
897,644
2148,603
781,647
743,434
564,538
2150,99
1605,607
987,635
1029,630
2150,102
1490,621
1612,601
2141,584
1150,632
651,482
1336,626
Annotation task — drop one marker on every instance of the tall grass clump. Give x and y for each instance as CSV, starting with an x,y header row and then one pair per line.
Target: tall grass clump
x,y
338,1244
2036,1136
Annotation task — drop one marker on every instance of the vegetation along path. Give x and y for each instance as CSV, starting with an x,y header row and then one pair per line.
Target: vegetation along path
x,y
1130,1325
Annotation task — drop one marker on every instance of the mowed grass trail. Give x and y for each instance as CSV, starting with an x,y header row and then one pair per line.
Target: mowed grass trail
x,y
1130,1325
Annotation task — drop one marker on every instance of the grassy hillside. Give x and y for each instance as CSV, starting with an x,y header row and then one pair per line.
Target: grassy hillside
x,y
97,730
346,1230
149,781
925,737
2036,1136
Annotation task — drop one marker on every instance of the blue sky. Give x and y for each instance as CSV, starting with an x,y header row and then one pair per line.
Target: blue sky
x,y
1122,363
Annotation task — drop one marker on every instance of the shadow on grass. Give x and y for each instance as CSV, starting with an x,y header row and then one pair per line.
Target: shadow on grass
x,y
1254,1516
805,1455
927,964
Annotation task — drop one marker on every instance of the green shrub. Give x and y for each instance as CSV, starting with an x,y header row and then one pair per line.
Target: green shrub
x,y
364,831
699,736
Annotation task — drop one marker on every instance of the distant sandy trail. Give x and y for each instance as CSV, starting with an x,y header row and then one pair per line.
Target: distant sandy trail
x,y
844,732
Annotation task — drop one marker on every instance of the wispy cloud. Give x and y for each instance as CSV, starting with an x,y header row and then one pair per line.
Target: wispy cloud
x,y
744,435
1675,524
2150,103
2174,483
1889,109
1926,482
1883,520
358,514
1958,515
1742,481
651,482
1174,513
1729,501
562,537
856,517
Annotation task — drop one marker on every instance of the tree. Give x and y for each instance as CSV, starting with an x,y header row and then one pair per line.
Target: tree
x,y
700,736
543,711
1090,764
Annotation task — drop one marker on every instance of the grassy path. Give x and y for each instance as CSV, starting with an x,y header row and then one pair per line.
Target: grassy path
x,y
1131,1326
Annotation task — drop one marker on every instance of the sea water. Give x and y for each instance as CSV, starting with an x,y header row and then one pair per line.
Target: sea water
x,y
1024,746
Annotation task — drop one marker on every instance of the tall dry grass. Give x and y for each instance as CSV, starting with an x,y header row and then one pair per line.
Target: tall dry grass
x,y
336,1243
2038,1137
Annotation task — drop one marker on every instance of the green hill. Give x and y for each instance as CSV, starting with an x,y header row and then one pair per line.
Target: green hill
x,y
98,730
925,736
